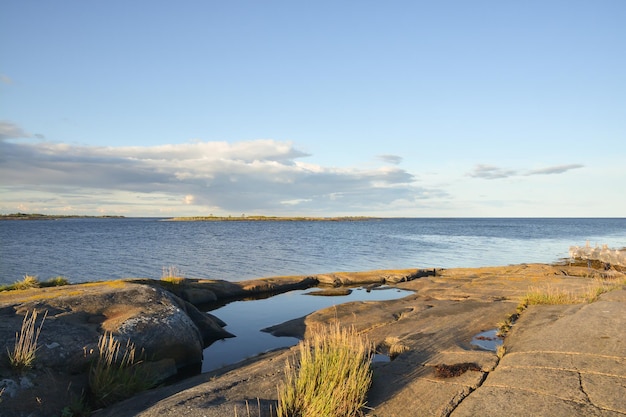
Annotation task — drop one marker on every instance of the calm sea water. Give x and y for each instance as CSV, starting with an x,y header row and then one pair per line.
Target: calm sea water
x,y
102,249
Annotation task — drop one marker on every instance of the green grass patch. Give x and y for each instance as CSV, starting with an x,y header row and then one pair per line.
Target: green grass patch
x,y
116,375
331,377
55,282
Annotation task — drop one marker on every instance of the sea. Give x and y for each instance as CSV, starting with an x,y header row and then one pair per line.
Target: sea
x,y
89,249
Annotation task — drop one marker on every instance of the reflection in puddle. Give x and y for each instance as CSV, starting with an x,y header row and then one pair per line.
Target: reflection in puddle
x,y
245,319
488,340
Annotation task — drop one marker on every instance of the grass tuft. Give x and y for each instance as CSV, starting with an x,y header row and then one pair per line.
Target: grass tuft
x,y
500,351
55,282
116,374
549,296
172,274
555,296
25,349
29,281
394,347
331,378
78,407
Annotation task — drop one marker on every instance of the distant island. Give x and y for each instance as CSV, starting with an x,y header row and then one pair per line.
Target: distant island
x,y
269,219
38,216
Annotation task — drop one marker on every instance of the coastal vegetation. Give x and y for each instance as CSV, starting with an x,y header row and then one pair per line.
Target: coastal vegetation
x,y
116,375
332,376
550,295
319,379
172,275
393,347
554,296
31,281
25,349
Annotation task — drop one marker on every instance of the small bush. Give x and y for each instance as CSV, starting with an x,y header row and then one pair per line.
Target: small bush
x,y
331,378
25,349
115,375
55,282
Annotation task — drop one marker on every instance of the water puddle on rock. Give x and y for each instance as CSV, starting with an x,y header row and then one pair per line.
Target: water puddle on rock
x,y
380,358
245,319
488,340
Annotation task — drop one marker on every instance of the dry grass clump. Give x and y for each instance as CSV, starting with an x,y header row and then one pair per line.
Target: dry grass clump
x,y
331,378
29,281
555,296
172,274
549,296
394,347
116,374
25,349
500,351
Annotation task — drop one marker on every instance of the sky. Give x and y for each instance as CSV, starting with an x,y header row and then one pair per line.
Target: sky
x,y
325,108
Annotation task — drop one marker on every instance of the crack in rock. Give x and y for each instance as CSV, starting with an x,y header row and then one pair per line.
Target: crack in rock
x,y
582,389
457,400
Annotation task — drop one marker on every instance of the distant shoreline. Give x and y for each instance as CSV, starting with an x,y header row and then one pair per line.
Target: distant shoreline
x,y
270,219
37,216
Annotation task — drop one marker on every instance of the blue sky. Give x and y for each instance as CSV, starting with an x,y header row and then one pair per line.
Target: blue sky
x,y
401,108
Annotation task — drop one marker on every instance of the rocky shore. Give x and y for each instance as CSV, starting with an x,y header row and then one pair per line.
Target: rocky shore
x,y
557,359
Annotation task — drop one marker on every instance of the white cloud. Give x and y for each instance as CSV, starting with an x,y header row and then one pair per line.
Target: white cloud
x,y
391,159
295,202
491,172
262,176
10,130
559,169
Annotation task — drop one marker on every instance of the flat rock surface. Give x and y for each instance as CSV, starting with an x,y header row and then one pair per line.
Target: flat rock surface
x,y
560,361
564,360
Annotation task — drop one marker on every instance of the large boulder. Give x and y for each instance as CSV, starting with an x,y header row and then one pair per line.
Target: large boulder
x,y
160,324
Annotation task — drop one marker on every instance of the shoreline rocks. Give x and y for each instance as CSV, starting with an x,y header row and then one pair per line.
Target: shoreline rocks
x,y
430,328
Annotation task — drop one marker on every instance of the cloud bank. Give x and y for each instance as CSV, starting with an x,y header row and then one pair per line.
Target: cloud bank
x,y
262,176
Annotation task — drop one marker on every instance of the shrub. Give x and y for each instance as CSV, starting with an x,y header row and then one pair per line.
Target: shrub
x,y
55,282
116,374
331,378
25,349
